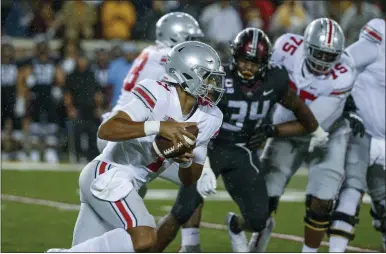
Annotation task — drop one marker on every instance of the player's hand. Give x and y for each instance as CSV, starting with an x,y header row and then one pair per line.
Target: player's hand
x,y
207,183
356,123
260,135
175,132
319,138
186,157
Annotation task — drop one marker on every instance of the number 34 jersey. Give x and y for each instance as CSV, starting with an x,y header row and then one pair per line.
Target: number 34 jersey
x,y
324,94
246,107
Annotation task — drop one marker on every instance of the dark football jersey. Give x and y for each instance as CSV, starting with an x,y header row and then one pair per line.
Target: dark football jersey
x,y
245,107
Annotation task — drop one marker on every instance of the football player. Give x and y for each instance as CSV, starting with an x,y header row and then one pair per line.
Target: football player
x,y
113,217
252,88
366,153
323,81
171,29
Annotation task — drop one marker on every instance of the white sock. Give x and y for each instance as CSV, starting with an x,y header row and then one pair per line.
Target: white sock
x,y
348,202
308,249
338,244
190,236
117,240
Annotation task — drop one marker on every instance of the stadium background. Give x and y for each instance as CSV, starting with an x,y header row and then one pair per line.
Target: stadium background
x,y
39,193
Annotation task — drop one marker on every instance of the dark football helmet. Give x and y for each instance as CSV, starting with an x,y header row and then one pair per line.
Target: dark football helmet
x,y
251,51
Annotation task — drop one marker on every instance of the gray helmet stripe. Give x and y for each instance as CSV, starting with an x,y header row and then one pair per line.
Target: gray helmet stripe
x,y
253,49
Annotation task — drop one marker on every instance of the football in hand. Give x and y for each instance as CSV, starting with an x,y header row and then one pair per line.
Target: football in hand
x,y
164,148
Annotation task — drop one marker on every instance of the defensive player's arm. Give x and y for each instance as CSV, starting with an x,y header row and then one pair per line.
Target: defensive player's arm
x,y
306,121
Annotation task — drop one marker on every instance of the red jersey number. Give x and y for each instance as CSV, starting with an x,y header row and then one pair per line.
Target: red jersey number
x,y
292,46
338,68
135,70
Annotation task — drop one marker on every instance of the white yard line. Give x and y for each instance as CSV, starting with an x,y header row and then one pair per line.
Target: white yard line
x,y
73,207
24,166
290,195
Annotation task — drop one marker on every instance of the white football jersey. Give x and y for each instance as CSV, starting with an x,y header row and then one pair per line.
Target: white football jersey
x,y
156,100
324,94
150,64
368,56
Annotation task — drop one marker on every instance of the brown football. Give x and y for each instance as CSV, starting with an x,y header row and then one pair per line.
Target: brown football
x,y
164,148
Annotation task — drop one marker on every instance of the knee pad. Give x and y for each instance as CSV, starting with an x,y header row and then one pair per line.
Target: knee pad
x,y
378,213
273,204
188,199
339,216
318,213
256,221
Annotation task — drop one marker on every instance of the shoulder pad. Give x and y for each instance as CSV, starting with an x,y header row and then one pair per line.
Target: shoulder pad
x,y
374,31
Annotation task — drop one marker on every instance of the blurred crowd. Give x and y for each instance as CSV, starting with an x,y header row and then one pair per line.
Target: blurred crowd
x,y
52,101
135,19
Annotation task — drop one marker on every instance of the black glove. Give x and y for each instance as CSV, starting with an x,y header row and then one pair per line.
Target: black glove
x,y
356,123
260,135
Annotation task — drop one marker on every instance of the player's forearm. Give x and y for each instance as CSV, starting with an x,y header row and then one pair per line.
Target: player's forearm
x,y
190,175
306,118
120,128
290,129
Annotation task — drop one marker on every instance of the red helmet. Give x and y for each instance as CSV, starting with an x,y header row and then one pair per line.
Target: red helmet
x,y
254,45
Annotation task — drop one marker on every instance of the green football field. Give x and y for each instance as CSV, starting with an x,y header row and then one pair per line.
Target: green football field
x,y
39,209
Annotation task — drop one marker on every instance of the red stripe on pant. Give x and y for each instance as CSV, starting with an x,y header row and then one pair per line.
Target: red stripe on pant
x,y
126,216
102,167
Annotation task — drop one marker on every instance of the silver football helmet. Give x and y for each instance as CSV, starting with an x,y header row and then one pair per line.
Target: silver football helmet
x,y
176,27
324,44
196,67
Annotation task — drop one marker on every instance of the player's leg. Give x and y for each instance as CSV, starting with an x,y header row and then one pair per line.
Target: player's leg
x,y
121,208
344,217
326,173
376,181
186,204
280,160
247,188
186,211
190,232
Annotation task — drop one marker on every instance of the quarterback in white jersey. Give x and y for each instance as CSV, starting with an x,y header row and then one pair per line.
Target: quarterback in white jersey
x,y
367,153
113,217
323,80
171,29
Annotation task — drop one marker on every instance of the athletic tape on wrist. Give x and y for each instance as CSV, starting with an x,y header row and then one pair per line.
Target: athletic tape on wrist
x,y
151,127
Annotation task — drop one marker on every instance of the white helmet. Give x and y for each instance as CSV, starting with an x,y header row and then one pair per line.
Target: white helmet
x,y
196,66
176,27
324,44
